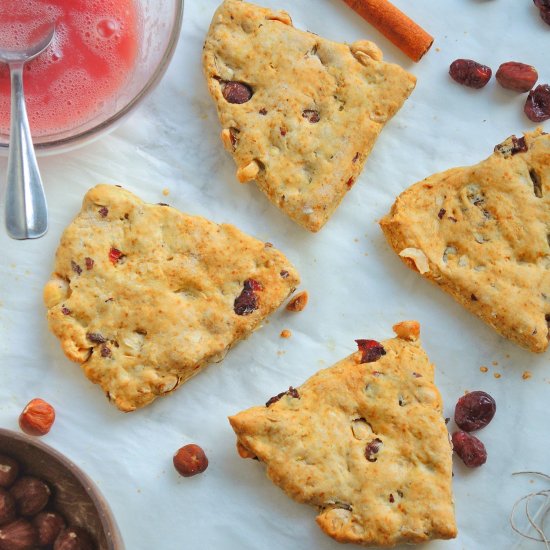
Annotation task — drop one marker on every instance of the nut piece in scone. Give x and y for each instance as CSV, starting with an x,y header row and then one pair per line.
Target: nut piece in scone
x,y
365,442
144,296
481,233
299,113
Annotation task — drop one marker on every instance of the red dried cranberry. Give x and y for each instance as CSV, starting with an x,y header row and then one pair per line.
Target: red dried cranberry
x,y
89,263
441,213
470,73
355,158
544,7
114,255
247,301
474,411
537,106
470,449
103,211
372,350
350,183
284,274
65,310
105,351
312,116
236,92
372,449
392,500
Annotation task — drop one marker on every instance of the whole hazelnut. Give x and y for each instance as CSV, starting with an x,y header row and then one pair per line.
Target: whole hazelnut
x,y
73,538
7,507
9,469
37,417
48,526
18,535
190,460
31,495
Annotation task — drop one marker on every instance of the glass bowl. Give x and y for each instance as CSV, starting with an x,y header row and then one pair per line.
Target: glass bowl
x,y
159,23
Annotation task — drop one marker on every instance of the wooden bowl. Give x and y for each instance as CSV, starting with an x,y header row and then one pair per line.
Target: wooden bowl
x,y
74,494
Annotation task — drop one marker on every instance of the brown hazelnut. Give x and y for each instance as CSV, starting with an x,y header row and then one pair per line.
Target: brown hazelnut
x,y
37,417
48,526
9,469
18,535
31,495
73,538
7,507
190,460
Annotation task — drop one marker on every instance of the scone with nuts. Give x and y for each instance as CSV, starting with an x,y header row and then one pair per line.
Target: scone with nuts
x,y
299,113
365,442
481,233
144,296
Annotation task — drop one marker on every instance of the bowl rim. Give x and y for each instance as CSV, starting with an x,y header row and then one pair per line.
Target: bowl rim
x,y
96,131
108,522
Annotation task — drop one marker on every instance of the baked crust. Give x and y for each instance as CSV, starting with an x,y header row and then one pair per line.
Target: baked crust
x,y
482,234
316,442
304,167
143,324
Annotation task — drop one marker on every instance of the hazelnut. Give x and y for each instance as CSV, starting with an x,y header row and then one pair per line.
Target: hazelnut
x,y
7,507
73,538
37,417
18,535
299,302
190,460
48,526
31,495
9,469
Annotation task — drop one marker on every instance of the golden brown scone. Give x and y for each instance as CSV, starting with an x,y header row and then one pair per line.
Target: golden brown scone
x,y
482,234
145,296
364,441
299,113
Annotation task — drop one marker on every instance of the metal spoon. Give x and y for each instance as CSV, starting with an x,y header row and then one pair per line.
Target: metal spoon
x,y
26,209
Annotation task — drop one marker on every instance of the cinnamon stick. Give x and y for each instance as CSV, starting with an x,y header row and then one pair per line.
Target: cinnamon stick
x,y
399,29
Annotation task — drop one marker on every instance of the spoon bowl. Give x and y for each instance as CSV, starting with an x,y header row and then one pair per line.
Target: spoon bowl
x,y
26,208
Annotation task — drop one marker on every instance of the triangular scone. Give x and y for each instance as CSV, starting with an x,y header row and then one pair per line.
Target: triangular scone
x,y
364,441
145,296
299,113
482,234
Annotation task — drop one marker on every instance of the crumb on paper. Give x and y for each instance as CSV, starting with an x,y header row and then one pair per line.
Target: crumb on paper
x,y
166,191
494,363
299,302
286,333
356,240
483,368
497,375
507,356
281,352
526,375
438,49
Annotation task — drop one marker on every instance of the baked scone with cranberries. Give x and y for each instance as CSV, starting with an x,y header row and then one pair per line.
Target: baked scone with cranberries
x,y
299,113
144,296
482,234
365,442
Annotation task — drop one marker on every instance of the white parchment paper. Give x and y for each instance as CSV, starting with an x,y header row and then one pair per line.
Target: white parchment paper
x,y
358,289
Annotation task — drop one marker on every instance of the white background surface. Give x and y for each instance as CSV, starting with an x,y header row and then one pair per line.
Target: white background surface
x,y
358,289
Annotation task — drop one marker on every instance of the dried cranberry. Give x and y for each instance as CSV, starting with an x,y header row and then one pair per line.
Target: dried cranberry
x,y
76,268
537,106
372,449
247,301
89,263
105,351
263,111
441,213
350,183
96,337
470,73
312,116
470,449
355,158
292,392
115,255
544,7
372,350
65,310
103,211
474,411
236,92
284,274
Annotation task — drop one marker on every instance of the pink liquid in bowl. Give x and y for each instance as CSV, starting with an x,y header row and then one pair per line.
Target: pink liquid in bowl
x,y
89,61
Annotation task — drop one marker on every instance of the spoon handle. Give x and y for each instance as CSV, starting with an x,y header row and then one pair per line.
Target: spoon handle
x,y
26,210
